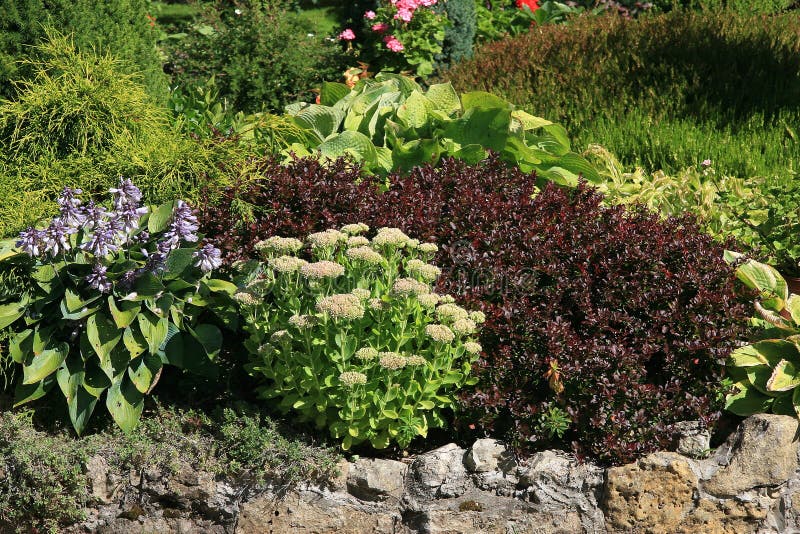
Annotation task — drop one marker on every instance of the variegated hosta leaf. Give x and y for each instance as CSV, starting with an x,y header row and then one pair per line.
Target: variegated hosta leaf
x,y
784,377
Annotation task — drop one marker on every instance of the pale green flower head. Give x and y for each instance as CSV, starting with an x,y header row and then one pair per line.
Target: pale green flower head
x,y
450,313
472,348
378,304
302,322
426,271
357,241
365,255
464,327
439,333
353,378
345,306
245,298
362,294
366,354
478,316
391,360
326,239
427,248
279,245
281,337
428,300
415,360
390,237
355,229
322,269
408,287
286,264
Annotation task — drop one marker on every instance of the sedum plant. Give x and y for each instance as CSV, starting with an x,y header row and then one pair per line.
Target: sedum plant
x,y
355,340
115,294
766,373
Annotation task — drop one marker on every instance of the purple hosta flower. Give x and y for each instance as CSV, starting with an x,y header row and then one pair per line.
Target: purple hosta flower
x,y
208,257
156,262
102,241
31,241
94,215
128,217
126,195
184,224
70,207
99,280
126,280
56,237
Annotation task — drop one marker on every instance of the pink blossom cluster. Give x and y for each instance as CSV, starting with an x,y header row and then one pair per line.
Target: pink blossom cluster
x,y
406,8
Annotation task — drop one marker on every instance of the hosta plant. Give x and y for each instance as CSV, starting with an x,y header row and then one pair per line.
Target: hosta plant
x,y
355,339
115,295
766,373
390,123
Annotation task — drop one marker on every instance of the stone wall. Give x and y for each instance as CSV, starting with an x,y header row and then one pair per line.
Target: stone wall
x,y
749,485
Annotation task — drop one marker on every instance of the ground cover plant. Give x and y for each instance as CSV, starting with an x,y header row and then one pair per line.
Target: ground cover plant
x,y
355,340
390,123
660,92
603,327
113,296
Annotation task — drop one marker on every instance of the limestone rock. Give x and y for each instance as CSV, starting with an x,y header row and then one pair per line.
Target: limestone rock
x,y
316,514
654,494
762,452
97,471
438,474
376,480
485,455
728,516
693,439
471,522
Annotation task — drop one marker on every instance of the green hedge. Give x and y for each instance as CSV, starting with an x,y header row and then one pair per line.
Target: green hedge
x,y
662,92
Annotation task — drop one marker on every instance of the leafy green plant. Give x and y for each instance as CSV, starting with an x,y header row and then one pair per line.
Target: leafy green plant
x,y
400,36
390,123
498,21
356,341
115,296
766,373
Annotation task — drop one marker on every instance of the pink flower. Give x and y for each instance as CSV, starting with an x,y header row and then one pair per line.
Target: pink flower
x,y
380,27
369,15
393,44
404,14
347,35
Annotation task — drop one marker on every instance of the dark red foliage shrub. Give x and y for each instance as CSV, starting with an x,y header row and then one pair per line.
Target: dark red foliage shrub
x,y
629,313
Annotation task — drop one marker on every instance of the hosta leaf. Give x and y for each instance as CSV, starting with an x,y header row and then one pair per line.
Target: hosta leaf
x,y
81,406
123,312
793,306
784,377
765,279
160,217
444,97
143,370
21,345
147,285
177,261
11,312
103,334
768,352
747,401
153,329
44,363
25,393
95,380
210,337
116,363
70,376
134,341
332,92
220,286
125,403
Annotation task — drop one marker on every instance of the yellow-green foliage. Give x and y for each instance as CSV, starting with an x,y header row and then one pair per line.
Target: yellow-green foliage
x,y
82,121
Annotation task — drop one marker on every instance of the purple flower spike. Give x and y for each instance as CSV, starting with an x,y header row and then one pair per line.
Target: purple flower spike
x,y
56,237
31,241
101,243
126,195
184,224
94,215
70,208
99,280
208,258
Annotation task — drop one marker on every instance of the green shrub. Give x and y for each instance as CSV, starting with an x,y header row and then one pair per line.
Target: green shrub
x,y
120,27
390,123
354,341
460,35
262,58
659,92
81,121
